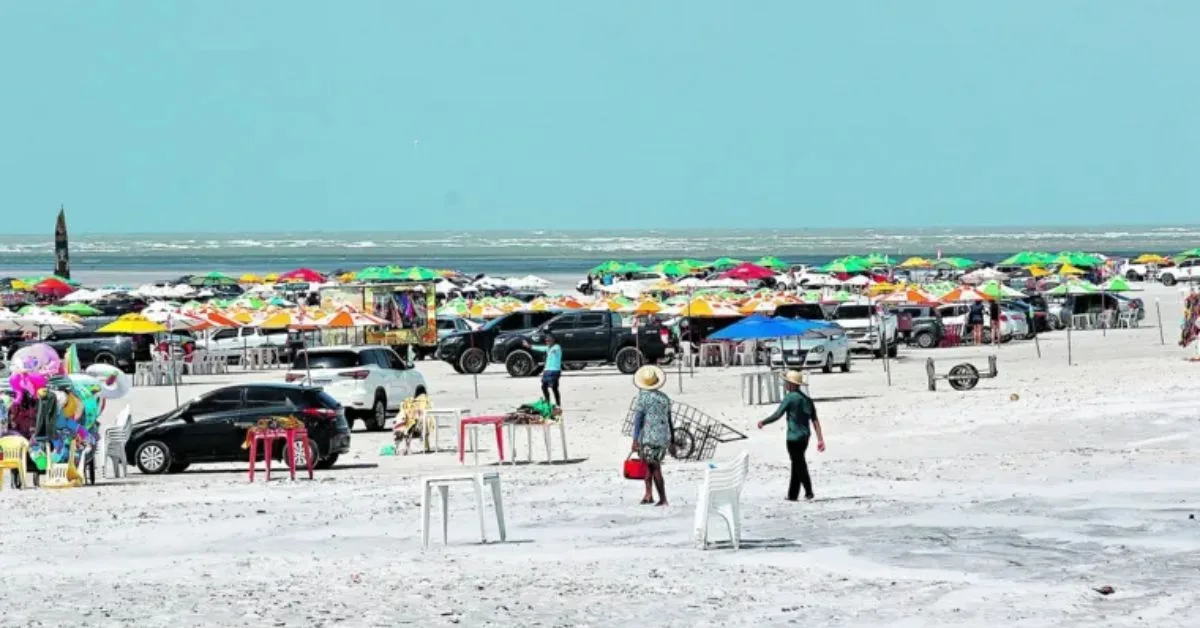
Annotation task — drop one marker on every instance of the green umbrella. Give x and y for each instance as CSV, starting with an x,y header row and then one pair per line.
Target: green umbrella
x,y
997,290
213,279
672,268
773,263
630,267
1025,258
1185,254
958,263
725,263
609,267
78,309
1073,287
376,273
419,273
1076,258
876,259
852,265
1116,284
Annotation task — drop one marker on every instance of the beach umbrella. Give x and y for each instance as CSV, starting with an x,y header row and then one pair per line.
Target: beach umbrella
x,y
1024,258
348,318
845,266
1151,258
376,273
249,278
957,263
609,267
419,273
647,306
748,272
996,290
1188,253
909,295
1073,287
672,268
758,327
306,275
964,295
1068,269
878,259
212,279
288,319
52,286
725,263
916,262
772,262
78,309
132,324
1036,271
1115,284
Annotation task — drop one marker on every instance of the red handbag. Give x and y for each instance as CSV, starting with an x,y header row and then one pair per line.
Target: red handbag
x,y
636,468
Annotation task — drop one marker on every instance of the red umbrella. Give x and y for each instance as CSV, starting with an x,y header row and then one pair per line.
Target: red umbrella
x,y
748,272
303,274
53,287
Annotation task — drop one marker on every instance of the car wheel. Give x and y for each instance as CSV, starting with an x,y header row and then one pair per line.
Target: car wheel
x,y
519,364
828,366
378,417
104,358
846,364
574,366
1133,276
629,360
925,340
178,467
153,457
299,455
893,351
473,361
457,367
327,462
1168,280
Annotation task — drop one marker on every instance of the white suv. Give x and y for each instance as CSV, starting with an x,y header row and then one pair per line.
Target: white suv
x,y
368,380
1187,270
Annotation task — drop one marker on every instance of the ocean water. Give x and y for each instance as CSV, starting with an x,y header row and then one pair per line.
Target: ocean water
x,y
551,252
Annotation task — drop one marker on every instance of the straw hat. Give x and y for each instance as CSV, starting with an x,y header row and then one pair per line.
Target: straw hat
x,y
793,377
649,377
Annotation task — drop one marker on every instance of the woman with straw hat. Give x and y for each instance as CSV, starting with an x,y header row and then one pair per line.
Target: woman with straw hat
x,y
652,428
800,411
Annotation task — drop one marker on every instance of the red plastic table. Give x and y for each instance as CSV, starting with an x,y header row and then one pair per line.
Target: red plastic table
x,y
268,437
496,421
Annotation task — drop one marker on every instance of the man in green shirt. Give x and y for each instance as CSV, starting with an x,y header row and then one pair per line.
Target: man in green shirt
x,y
800,412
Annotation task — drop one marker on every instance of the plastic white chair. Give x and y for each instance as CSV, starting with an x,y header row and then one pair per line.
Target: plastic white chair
x,y
720,494
442,483
445,418
546,427
115,439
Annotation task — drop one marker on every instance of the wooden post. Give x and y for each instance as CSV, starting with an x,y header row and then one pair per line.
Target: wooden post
x,y
1069,342
1162,340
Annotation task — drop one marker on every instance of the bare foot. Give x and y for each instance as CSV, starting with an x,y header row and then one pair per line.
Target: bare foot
x,y
647,500
662,503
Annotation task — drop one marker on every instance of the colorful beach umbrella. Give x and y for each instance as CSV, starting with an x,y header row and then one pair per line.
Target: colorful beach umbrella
x,y
725,263
78,309
133,324
1151,258
916,262
748,272
306,275
1116,284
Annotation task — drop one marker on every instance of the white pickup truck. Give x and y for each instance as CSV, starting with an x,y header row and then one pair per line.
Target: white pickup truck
x,y
231,342
866,328
1187,271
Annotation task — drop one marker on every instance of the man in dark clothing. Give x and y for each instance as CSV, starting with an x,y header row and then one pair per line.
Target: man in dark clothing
x,y
975,322
800,411
995,312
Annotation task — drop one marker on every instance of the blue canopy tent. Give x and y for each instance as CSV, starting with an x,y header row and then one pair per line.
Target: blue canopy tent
x,y
759,327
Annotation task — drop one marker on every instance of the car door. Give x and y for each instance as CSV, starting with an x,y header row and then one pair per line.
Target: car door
x,y
563,330
377,361
592,335
405,384
211,424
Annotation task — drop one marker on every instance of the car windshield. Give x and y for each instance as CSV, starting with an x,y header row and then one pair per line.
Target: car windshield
x,y
853,311
327,360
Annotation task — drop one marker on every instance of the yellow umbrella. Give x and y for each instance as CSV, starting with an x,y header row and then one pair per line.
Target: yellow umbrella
x,y
271,278
881,288
133,324
346,277
17,284
916,262
1151,258
250,278
648,306
1036,271
1068,269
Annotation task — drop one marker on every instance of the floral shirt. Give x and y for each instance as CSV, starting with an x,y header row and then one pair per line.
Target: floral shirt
x,y
655,408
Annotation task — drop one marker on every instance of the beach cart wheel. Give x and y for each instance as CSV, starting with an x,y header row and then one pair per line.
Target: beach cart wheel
x,y
629,360
684,443
519,364
473,361
963,377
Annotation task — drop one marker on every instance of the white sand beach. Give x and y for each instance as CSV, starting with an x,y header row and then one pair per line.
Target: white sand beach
x,y
933,509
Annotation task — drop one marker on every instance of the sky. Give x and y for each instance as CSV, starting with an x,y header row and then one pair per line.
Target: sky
x,y
226,115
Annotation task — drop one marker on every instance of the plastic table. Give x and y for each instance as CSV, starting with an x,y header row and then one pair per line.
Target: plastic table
x,y
496,421
268,437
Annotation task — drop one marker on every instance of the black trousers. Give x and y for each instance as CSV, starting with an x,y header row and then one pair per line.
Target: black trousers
x,y
796,449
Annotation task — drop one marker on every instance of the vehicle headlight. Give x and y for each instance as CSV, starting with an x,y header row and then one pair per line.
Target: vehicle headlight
x,y
818,349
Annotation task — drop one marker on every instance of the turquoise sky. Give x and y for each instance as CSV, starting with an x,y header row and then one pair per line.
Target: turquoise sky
x,y
210,115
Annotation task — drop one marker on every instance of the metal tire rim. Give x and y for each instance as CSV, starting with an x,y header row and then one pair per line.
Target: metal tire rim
x,y
298,457
153,458
471,362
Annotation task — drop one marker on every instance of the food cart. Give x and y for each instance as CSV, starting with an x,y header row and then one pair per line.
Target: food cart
x,y
410,309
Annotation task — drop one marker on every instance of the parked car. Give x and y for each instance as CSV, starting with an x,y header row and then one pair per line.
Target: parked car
x,y
120,350
1188,270
1061,311
1012,323
866,328
586,338
1038,308
453,325
369,381
919,325
821,348
809,311
212,427
468,352
231,342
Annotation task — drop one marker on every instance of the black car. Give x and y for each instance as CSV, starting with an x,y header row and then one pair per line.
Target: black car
x,y
212,428
468,351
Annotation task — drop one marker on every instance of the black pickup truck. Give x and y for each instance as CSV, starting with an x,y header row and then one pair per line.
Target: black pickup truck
x,y
586,338
119,350
468,351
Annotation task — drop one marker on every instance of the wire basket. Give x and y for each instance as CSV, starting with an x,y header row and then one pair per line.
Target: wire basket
x,y
696,434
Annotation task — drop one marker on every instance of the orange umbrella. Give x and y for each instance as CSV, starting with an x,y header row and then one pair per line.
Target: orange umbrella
x,y
347,317
964,294
909,295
